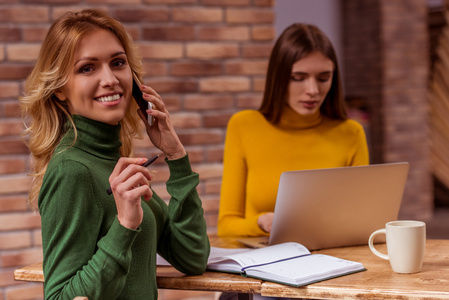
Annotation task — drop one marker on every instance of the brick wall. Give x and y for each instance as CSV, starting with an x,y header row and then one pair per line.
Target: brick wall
x,y
387,65
207,59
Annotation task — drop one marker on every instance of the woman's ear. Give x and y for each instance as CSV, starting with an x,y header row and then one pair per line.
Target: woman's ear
x,y
60,95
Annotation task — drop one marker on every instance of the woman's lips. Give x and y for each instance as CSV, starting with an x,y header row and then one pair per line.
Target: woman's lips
x,y
309,104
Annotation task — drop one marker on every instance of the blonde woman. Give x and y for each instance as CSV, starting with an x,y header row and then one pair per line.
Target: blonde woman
x,y
82,119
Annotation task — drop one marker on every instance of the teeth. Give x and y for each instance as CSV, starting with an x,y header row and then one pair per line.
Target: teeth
x,y
109,98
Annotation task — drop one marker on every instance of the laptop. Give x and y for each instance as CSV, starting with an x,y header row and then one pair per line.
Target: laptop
x,y
336,207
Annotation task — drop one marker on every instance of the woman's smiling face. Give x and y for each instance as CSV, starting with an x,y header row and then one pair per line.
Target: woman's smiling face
x,y
99,86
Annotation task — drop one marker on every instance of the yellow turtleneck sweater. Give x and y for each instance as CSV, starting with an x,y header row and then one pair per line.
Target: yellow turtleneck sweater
x,y
257,152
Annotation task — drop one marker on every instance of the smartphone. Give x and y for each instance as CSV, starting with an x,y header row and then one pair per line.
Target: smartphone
x,y
143,105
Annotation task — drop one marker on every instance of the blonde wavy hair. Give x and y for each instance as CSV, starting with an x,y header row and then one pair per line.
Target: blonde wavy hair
x,y
43,113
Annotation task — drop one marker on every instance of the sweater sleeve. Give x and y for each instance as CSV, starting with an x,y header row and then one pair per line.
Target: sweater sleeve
x,y
360,154
77,261
232,220
184,241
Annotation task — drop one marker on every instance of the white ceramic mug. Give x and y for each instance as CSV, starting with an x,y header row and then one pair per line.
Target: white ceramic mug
x,y
406,241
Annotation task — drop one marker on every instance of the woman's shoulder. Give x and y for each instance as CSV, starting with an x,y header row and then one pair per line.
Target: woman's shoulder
x,y
248,116
348,126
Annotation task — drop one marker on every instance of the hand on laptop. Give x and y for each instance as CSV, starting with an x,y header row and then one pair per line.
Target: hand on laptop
x,y
265,221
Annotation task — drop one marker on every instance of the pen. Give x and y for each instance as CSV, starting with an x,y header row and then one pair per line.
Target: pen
x,y
145,164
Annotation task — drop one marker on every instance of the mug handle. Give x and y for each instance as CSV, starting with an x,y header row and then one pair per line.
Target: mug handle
x,y
371,243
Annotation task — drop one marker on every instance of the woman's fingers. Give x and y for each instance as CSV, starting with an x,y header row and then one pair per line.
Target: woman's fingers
x,y
125,168
134,187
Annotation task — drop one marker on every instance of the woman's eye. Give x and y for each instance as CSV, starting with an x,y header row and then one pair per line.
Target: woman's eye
x,y
296,77
118,63
86,69
324,79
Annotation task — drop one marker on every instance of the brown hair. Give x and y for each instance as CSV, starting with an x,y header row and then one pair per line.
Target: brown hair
x,y
295,42
43,112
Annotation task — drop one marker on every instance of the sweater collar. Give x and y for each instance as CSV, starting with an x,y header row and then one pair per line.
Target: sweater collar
x,y
97,138
290,119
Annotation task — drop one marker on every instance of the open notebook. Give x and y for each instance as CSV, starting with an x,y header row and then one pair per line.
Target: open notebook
x,y
326,208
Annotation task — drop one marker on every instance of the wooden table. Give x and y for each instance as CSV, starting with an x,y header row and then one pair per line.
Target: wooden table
x,y
378,282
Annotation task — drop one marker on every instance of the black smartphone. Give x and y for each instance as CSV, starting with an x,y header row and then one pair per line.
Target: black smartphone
x,y
143,105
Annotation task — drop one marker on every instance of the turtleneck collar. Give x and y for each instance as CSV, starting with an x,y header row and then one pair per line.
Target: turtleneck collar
x,y
96,138
290,119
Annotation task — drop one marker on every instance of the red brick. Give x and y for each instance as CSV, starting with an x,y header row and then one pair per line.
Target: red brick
x,y
211,221
133,30
226,2
170,1
161,50
196,68
197,15
219,119
263,33
161,191
259,84
11,72
21,258
155,69
15,240
249,16
200,137
249,101
236,33
11,127
7,279
213,186
13,146
19,221
185,120
24,14
29,291
196,154
113,1
11,109
225,84
212,50
52,1
58,11
14,184
207,102
207,171
256,50
12,165
264,2
253,67
22,52
170,85
37,238
141,14
9,89
2,54
169,33
215,154
13,203
172,102
9,34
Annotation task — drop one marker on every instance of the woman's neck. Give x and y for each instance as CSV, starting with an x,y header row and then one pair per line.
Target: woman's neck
x,y
290,119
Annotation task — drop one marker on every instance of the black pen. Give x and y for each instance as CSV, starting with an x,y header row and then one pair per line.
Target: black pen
x,y
145,164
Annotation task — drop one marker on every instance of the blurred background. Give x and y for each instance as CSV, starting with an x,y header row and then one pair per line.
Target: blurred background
x,y
208,59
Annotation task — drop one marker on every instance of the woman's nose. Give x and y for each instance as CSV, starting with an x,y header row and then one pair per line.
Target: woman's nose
x,y
108,78
312,87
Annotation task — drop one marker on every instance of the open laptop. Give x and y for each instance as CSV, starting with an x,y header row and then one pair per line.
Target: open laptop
x,y
336,207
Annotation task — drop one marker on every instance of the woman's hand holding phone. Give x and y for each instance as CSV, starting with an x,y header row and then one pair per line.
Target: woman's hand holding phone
x,y
161,133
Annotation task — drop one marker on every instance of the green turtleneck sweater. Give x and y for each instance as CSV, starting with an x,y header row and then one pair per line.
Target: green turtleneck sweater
x,y
257,152
86,250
